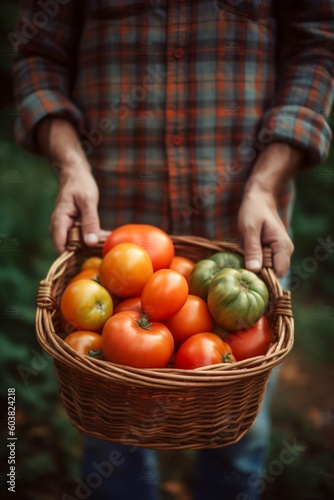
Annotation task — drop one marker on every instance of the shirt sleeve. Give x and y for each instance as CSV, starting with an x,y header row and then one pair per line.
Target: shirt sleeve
x,y
45,41
305,76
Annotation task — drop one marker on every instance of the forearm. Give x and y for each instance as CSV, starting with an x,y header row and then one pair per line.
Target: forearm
x,y
78,194
58,141
259,221
275,166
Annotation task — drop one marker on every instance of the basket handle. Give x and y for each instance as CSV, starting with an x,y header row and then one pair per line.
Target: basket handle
x,y
267,257
75,242
282,305
75,238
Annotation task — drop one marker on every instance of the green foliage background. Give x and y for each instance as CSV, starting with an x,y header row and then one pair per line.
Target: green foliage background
x,y
49,447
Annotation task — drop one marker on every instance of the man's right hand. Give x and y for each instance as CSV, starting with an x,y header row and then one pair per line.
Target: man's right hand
x,y
77,198
78,192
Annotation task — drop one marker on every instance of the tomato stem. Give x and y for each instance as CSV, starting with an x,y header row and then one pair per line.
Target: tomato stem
x,y
96,353
144,322
227,358
244,285
99,307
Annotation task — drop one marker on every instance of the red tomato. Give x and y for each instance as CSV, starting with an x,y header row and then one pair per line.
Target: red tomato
x,y
194,317
156,242
125,270
128,338
251,342
86,305
182,265
203,349
164,294
84,341
132,304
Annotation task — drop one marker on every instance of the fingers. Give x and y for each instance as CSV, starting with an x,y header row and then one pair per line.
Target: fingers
x,y
252,246
271,234
90,221
61,222
282,251
104,233
260,225
72,202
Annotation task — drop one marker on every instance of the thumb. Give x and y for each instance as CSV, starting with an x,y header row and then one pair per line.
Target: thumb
x,y
253,249
90,222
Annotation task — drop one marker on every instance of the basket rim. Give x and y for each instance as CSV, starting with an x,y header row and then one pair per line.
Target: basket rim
x,y
162,377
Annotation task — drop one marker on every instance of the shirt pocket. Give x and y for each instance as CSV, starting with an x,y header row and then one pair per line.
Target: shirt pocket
x,y
113,10
254,10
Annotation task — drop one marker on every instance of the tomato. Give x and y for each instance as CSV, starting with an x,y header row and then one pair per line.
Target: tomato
x,y
91,263
155,241
203,349
194,317
129,338
86,305
125,270
251,342
90,274
182,265
164,294
228,259
201,276
84,341
205,269
237,298
132,304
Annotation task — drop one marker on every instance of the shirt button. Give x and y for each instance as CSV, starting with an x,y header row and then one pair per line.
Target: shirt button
x,y
177,140
178,53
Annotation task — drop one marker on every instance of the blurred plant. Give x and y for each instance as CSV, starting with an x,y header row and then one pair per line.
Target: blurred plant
x,y
313,221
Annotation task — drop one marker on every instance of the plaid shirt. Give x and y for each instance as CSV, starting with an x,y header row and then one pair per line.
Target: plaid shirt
x,y
173,101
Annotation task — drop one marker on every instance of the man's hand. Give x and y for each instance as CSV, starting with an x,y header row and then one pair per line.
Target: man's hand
x,y
77,198
78,193
258,219
260,225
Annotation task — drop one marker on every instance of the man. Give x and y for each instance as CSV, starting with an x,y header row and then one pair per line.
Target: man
x,y
189,115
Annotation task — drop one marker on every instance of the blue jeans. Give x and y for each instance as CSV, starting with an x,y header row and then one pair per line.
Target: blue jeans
x,y
113,471
234,472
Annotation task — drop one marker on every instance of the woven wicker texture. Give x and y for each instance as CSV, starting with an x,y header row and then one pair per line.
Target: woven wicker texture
x,y
165,408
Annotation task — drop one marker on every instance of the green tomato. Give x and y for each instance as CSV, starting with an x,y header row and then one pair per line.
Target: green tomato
x,y
204,270
200,277
237,298
228,259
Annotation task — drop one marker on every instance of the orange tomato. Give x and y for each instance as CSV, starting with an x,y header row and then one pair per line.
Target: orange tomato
x,y
125,269
84,341
89,274
194,317
182,265
154,240
91,263
164,294
86,305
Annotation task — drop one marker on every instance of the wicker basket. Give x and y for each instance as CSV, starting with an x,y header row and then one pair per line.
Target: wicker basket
x,y
165,408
